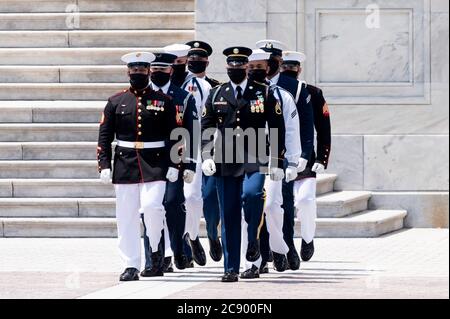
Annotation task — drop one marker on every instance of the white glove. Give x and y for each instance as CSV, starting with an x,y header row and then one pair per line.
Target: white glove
x,y
188,176
172,174
318,168
105,176
301,165
291,174
209,167
276,174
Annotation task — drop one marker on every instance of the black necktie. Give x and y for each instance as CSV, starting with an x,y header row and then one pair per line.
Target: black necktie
x,y
239,94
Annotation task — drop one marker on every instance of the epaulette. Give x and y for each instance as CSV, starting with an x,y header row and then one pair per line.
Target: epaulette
x,y
120,93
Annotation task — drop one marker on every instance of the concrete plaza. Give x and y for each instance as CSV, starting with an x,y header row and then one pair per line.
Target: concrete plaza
x,y
412,263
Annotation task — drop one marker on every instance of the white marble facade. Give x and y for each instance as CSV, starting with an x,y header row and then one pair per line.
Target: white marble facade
x,y
385,76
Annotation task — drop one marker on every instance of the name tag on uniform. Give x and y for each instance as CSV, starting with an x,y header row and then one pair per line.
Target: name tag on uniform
x,y
220,103
155,105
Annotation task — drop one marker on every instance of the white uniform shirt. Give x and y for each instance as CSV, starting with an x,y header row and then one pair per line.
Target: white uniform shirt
x,y
292,124
199,88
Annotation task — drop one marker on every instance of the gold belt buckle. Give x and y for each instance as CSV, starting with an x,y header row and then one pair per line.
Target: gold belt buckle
x,y
139,145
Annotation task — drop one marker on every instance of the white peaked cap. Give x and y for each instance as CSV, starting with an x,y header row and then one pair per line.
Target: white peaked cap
x,y
177,49
294,56
271,44
138,57
259,54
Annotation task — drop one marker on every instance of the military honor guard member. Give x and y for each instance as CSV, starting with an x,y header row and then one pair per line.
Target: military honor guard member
x,y
197,64
179,66
199,88
141,119
305,184
186,117
258,68
237,106
303,100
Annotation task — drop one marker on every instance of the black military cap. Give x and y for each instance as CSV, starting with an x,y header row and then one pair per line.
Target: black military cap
x,y
199,48
163,59
237,54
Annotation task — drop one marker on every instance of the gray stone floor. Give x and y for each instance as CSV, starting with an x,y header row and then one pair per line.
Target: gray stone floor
x,y
411,263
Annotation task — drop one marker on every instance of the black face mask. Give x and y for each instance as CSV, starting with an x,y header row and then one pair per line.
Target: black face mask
x,y
257,75
274,65
160,78
237,75
291,74
139,81
179,70
197,67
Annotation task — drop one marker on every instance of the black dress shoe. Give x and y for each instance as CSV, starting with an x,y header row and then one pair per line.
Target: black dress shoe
x,y
215,249
264,269
157,269
198,253
293,259
181,261
152,272
253,252
190,263
130,274
252,273
168,266
280,262
307,250
230,277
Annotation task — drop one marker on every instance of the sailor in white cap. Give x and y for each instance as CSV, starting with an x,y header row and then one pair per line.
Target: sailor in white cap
x,y
305,185
141,120
292,63
258,67
179,66
305,110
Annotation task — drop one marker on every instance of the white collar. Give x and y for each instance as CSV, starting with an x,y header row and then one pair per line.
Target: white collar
x,y
275,79
243,85
165,88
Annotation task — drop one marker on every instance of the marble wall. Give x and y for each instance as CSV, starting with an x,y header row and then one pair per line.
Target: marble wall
x,y
383,66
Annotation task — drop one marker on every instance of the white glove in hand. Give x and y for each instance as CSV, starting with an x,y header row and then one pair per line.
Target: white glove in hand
x,y
276,174
209,167
105,176
318,168
172,174
188,176
291,174
301,165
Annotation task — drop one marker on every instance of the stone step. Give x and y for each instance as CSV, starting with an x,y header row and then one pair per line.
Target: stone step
x,y
49,169
85,188
367,224
97,21
341,204
64,74
67,56
48,151
48,132
51,111
96,5
88,207
55,188
59,91
93,38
